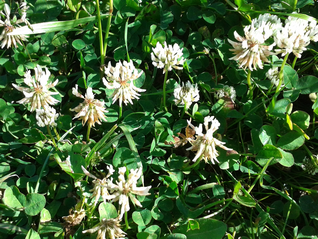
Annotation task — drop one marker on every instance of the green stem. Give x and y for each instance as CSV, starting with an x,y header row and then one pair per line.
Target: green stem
x,y
281,78
184,110
193,165
120,114
126,222
108,27
249,83
281,75
56,133
50,133
294,62
42,169
164,90
100,33
88,132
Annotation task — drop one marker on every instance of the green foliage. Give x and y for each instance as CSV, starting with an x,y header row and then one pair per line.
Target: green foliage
x,y
61,180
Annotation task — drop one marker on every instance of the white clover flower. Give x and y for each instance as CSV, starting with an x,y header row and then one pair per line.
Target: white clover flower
x,y
205,144
293,37
9,25
251,50
101,186
269,24
38,93
186,94
125,189
107,228
91,110
311,167
46,116
167,57
273,75
121,78
226,91
312,29
75,218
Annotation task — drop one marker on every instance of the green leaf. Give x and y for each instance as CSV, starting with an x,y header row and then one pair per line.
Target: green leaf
x,y
142,218
245,199
267,135
107,210
280,108
13,198
165,19
34,204
45,215
306,84
267,152
287,160
209,16
176,236
153,229
301,118
56,26
290,76
32,235
291,141
207,227
78,44
194,13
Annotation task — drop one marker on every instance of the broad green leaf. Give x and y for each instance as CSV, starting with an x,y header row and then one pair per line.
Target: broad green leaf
x,y
13,198
287,160
301,118
142,218
153,229
32,235
176,236
267,152
45,215
290,76
306,84
78,44
209,16
34,204
208,227
267,135
291,141
146,235
107,210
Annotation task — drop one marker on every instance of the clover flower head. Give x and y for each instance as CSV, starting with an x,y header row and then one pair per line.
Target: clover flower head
x,y
101,185
107,228
121,78
37,93
204,143
10,24
226,91
269,24
75,218
46,116
312,29
310,166
251,51
167,57
291,39
273,75
91,110
125,189
186,94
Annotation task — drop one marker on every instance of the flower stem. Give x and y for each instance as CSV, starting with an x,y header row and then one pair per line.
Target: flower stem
x,y
126,222
184,110
108,27
294,62
164,90
56,133
249,83
88,132
41,172
120,114
100,33
193,165
281,78
281,75
50,133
